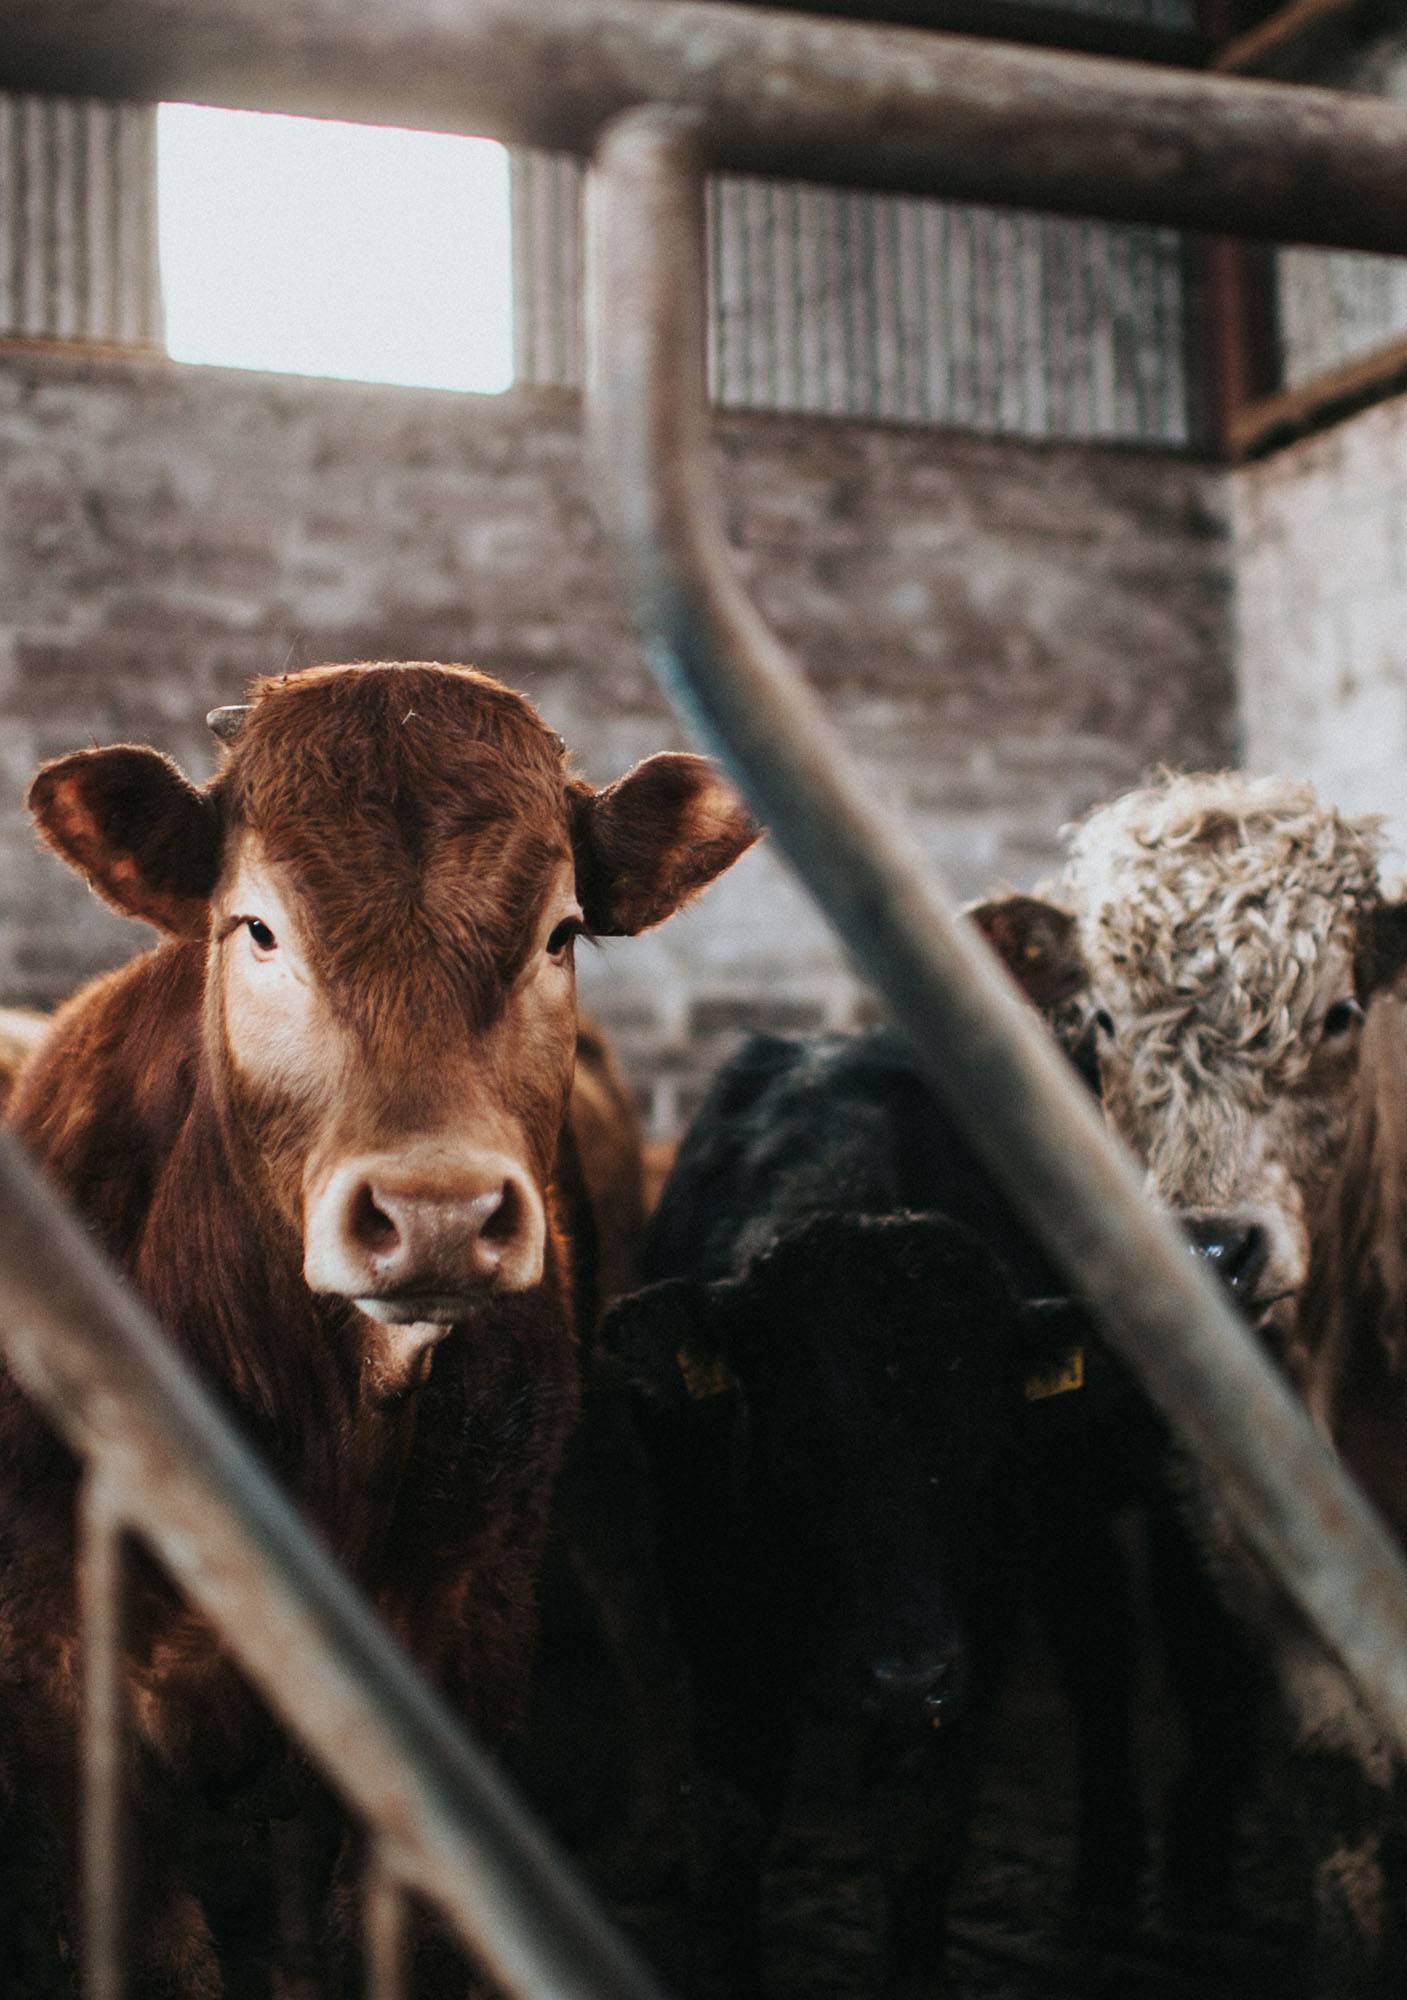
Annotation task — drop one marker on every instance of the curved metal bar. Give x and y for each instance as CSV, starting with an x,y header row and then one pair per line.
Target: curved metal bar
x,y
733,682
844,102
172,1468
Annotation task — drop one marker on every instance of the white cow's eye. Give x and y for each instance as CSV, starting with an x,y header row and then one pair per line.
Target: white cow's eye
x,y
262,937
1342,1018
1104,1022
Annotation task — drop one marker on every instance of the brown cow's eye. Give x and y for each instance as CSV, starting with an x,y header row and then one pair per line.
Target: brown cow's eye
x,y
1340,1020
264,939
559,943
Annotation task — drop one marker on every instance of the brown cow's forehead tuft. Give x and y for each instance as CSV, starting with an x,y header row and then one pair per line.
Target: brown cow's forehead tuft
x,y
419,814
1213,910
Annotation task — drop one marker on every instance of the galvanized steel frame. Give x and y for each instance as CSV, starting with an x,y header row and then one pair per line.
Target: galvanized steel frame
x,y
683,87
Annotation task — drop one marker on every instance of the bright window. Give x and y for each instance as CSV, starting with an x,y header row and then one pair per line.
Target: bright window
x,y
317,248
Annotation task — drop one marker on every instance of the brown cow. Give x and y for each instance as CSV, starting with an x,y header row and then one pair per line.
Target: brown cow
x,y
316,1127
21,1032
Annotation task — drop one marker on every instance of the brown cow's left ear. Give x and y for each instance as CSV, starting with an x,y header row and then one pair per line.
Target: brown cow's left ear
x,y
1382,949
653,839
147,840
1038,943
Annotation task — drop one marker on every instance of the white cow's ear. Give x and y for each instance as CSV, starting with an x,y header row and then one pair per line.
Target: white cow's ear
x,y
147,840
1380,962
653,839
1038,943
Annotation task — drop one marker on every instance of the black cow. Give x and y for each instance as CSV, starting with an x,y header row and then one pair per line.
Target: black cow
x,y
769,1238
830,1450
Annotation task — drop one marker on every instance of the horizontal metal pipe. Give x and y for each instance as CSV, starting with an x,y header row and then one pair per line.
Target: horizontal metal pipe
x,y
777,92
83,1346
1001,1075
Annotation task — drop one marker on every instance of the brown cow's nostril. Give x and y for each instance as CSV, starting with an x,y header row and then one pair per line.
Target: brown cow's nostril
x,y
503,1223
369,1226
423,1237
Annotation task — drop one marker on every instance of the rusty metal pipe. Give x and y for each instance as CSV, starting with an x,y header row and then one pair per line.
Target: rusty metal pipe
x,y
778,92
100,1606
384,1930
173,1468
1001,1075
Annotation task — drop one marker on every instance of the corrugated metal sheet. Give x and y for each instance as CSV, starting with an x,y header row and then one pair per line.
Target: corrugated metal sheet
x,y
78,221
848,305
1334,307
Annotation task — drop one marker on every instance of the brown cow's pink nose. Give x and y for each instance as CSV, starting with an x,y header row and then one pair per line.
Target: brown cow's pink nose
x,y
411,1245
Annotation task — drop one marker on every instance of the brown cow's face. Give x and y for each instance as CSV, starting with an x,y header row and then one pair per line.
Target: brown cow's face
x,y
389,874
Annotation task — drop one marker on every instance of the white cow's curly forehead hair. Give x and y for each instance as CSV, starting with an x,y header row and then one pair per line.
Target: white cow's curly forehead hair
x,y
1212,908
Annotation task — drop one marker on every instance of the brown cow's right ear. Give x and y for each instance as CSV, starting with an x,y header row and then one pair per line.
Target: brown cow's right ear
x,y
1038,943
147,840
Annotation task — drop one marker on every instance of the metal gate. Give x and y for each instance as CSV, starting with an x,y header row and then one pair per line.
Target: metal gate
x,y
657,92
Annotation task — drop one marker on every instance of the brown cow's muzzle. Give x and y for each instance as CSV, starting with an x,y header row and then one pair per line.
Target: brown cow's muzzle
x,y
423,1241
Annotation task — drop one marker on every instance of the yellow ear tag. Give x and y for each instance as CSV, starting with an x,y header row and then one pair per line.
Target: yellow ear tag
x,y
1058,1381
703,1379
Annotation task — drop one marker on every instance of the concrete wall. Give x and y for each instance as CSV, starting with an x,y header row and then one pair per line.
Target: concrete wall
x,y
1004,632
1321,559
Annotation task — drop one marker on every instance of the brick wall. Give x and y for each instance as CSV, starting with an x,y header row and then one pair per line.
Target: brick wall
x,y
1321,556
1004,633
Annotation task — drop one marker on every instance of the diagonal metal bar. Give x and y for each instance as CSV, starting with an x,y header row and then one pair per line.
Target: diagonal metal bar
x,y
173,1468
781,92
734,684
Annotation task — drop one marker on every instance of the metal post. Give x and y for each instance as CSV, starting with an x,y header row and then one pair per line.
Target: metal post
x,y
100,1595
384,1925
734,683
782,93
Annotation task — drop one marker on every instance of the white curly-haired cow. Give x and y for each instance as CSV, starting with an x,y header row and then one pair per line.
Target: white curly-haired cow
x,y
1231,928
1240,953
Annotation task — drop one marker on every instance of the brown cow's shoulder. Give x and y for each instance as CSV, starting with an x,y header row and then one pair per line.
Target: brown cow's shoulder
x,y
100,1104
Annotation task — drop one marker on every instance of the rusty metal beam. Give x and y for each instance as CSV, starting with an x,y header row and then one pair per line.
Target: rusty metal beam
x,y
173,1470
778,93
734,683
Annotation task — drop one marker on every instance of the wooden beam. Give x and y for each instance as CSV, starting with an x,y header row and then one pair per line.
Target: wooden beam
x,y
1269,422
1295,39
1240,345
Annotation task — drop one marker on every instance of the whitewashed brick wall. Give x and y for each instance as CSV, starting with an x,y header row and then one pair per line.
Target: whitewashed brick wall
x,y
1321,564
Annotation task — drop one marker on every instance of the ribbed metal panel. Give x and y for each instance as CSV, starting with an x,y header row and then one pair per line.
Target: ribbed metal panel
x,y
837,304
546,190
1333,307
78,221
1336,309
